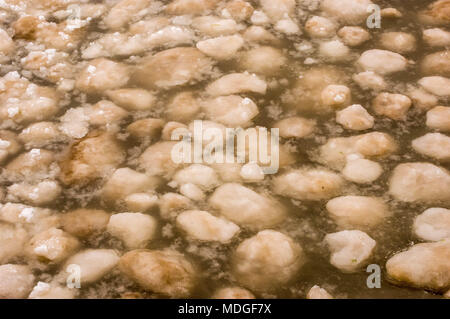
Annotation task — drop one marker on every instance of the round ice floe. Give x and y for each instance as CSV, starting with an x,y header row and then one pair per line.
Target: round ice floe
x,y
436,37
126,181
353,36
350,249
101,75
93,157
134,229
267,260
173,67
203,176
93,263
52,245
165,272
437,63
382,62
438,85
239,10
192,191
171,204
183,107
252,172
221,48
355,117
255,60
246,207
202,225
235,83
139,202
433,224
122,13
336,96
369,80
360,212
394,106
423,100
190,7
231,110
214,26
16,281
38,194
422,182
40,134
132,99
347,11
157,159
295,127
435,145
400,42
360,170
84,222
334,50
308,184
423,266
438,118
320,27
317,292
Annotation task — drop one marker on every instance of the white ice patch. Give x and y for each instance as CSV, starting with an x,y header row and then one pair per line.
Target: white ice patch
x,y
27,214
4,144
